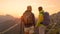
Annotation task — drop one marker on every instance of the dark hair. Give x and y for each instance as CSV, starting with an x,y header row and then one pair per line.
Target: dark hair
x,y
28,6
40,8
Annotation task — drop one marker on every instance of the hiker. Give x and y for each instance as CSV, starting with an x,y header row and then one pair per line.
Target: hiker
x,y
40,24
28,20
43,21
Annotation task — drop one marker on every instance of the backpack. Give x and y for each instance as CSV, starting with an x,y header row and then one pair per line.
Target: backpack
x,y
46,19
28,19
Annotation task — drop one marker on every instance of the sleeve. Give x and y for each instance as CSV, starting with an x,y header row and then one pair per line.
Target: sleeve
x,y
40,20
38,23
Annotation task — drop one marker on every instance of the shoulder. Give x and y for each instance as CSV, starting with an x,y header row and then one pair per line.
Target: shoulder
x,y
25,12
32,14
46,13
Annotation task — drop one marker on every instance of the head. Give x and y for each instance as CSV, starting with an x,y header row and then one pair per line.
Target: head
x,y
29,8
40,8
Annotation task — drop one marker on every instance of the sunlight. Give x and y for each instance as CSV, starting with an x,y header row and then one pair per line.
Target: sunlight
x,y
17,7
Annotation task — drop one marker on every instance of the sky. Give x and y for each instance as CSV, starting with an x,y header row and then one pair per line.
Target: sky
x,y
17,7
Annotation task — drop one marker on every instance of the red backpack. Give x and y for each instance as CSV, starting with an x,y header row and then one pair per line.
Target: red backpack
x,y
28,19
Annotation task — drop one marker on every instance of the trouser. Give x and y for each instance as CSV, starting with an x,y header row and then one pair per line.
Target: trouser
x,y
29,30
42,29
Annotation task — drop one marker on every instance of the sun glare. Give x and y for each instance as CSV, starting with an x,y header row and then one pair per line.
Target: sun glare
x,y
17,7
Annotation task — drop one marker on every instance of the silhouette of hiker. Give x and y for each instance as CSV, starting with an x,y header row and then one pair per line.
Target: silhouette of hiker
x,y
28,20
43,20
40,24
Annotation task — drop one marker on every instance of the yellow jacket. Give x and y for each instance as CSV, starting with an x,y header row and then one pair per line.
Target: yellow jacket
x,y
40,18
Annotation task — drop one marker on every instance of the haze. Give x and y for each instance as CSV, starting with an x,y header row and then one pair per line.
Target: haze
x,y
17,7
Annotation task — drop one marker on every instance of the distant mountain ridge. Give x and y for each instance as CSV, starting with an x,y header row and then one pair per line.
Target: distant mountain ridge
x,y
8,21
5,18
55,17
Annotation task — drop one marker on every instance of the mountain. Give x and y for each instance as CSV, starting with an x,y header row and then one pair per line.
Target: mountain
x,y
11,25
55,23
55,18
7,22
5,18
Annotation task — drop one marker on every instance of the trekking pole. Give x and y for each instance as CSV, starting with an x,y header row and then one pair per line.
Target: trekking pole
x,y
51,28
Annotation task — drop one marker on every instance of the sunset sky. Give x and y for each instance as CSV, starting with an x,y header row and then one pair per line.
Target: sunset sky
x,y
17,7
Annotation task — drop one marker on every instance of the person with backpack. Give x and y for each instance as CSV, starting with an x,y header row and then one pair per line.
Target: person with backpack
x,y
40,17
28,19
42,22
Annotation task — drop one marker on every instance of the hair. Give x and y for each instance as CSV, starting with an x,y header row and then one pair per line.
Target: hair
x,y
28,6
40,8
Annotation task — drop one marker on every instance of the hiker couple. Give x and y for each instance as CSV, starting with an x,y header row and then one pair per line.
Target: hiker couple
x,y
28,20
